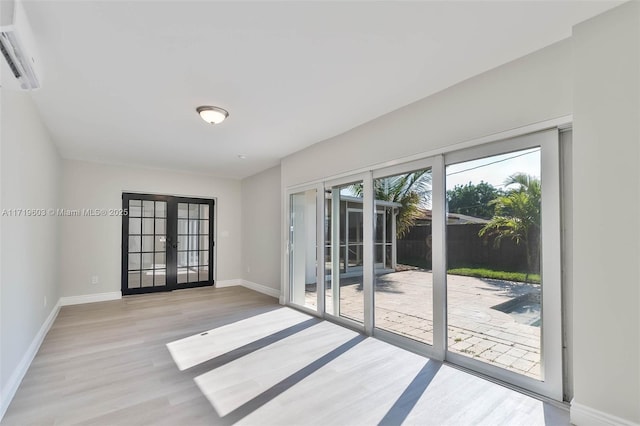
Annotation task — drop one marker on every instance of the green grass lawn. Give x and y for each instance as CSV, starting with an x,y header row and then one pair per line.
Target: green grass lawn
x,y
496,275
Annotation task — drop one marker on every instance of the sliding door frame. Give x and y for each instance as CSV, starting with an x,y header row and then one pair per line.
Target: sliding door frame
x,y
551,381
545,135
320,279
367,254
437,349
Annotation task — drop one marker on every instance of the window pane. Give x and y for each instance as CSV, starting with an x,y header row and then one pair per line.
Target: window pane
x,y
404,291
147,208
203,257
203,244
193,258
160,277
204,211
161,226
147,278
183,226
194,226
159,261
134,261
203,272
182,258
302,255
135,226
133,280
204,226
135,243
183,210
194,211
161,243
147,243
147,226
380,228
161,209
147,261
135,208
493,233
182,275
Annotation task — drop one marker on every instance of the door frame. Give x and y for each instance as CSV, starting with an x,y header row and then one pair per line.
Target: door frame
x,y
171,267
438,216
551,384
320,278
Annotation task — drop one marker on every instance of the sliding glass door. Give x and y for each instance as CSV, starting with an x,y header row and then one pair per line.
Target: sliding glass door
x,y
455,256
503,261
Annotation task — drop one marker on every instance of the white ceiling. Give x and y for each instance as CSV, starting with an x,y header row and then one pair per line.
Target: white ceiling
x,y
122,79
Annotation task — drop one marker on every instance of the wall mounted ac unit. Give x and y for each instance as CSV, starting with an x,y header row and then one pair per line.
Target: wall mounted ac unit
x,y
17,45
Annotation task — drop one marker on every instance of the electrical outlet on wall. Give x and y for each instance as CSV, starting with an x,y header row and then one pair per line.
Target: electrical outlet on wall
x,y
248,268
94,279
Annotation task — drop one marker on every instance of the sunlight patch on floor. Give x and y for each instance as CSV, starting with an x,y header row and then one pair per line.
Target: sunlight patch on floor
x,y
201,347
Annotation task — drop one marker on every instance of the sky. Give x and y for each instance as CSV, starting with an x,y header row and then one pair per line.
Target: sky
x,y
494,170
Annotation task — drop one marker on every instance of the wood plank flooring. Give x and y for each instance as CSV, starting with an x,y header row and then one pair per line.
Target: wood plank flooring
x,y
231,355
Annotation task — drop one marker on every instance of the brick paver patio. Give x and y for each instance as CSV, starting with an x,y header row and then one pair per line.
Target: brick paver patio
x,y
476,326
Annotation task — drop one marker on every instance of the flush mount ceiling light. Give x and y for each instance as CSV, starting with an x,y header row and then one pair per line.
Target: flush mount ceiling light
x,y
212,115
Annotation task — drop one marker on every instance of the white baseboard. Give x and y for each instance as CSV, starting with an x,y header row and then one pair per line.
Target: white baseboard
x,y
260,288
228,283
582,415
90,298
269,291
9,390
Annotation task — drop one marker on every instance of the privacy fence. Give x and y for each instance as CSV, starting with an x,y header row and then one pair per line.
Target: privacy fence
x,y
464,249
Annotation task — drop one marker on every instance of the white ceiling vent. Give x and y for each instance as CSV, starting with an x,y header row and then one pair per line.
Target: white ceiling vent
x,y
17,45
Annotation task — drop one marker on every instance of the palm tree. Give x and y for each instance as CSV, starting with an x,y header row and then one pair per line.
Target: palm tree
x,y
517,216
411,190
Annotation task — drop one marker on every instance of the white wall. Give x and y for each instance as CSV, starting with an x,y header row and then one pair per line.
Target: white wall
x,y
91,245
534,88
261,230
606,227
597,70
30,178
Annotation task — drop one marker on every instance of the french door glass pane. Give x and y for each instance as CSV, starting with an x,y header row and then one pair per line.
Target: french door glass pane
x,y
147,278
135,226
161,209
135,244
344,232
133,280
404,281
303,249
493,254
183,210
135,208
148,208
147,226
160,277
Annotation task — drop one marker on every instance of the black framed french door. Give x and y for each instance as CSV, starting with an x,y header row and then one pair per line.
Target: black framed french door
x,y
167,243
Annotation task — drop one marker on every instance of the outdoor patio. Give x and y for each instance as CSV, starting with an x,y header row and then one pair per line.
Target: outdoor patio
x,y
492,320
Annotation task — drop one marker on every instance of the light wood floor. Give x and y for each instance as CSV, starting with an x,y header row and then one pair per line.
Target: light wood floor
x,y
230,355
